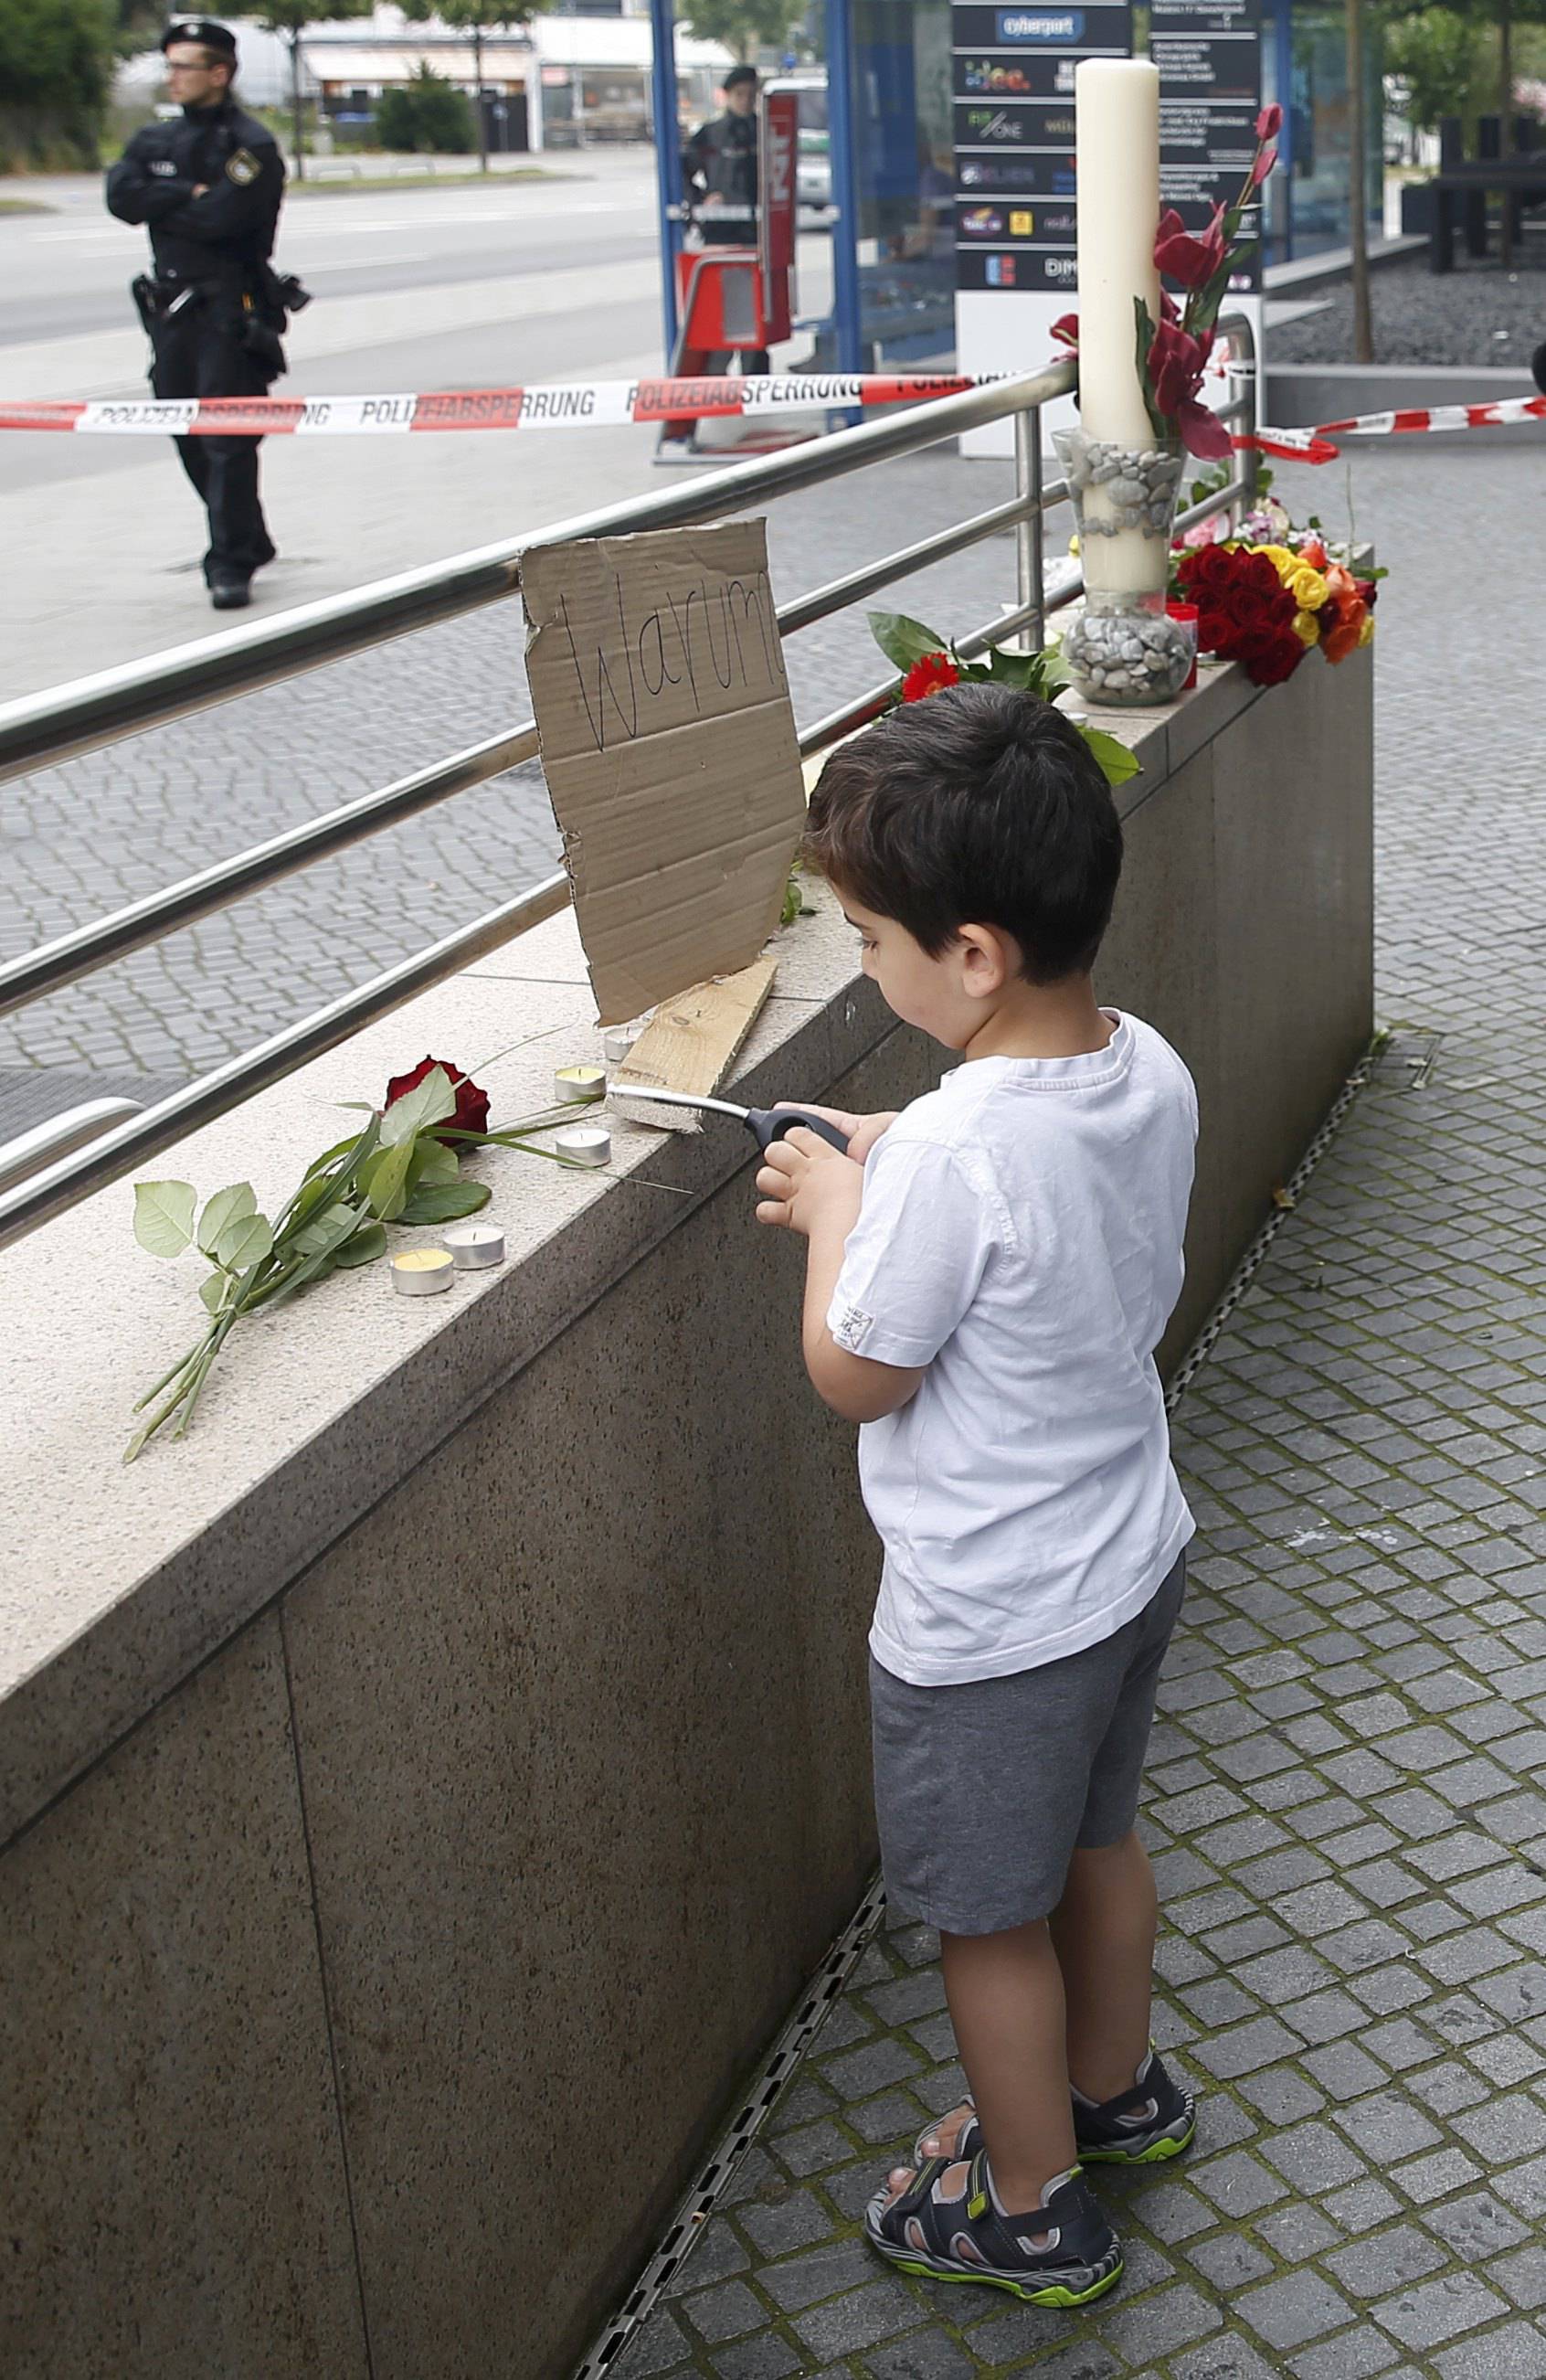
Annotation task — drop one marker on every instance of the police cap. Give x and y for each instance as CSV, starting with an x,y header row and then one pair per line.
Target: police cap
x,y
207,33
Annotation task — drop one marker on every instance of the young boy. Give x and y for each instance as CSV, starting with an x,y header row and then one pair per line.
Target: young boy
x,y
985,1290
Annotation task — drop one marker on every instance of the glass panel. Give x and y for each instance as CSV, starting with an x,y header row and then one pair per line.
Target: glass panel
x,y
902,58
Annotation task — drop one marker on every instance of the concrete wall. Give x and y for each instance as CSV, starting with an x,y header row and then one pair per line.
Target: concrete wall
x,y
520,1777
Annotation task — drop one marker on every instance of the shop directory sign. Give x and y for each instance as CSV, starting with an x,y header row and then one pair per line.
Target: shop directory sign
x,y
1209,57
1013,86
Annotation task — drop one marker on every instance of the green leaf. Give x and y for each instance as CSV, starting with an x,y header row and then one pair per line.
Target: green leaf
x,y
438,1202
330,1155
430,1102
385,1180
164,1215
362,1246
1117,763
222,1209
246,1241
903,641
431,1162
323,1231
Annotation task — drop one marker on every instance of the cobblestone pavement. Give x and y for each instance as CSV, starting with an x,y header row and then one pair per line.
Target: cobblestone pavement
x,y
1346,1796
78,839
1477,315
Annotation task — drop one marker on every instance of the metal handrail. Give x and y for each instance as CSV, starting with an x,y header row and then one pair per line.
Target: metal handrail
x,y
115,703
58,1136
90,712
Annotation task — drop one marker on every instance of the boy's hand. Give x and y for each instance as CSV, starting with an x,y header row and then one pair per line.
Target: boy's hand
x,y
863,1131
803,1181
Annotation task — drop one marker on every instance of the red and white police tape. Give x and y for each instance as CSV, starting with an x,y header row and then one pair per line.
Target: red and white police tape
x,y
565,404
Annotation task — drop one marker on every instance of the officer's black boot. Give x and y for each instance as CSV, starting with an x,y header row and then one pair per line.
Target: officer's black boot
x,y
230,594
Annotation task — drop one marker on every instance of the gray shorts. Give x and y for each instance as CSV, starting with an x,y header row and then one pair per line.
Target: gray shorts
x,y
984,1791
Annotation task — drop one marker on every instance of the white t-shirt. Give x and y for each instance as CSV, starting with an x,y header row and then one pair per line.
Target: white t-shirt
x,y
1020,1235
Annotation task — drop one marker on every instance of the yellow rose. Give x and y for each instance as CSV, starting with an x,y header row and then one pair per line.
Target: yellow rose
x,y
1366,633
1281,559
1307,628
1306,586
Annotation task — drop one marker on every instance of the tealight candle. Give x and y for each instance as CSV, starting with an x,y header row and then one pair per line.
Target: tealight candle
x,y
584,1144
579,1083
618,1042
422,1272
475,1245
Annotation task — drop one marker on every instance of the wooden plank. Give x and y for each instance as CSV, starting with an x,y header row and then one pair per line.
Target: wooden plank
x,y
692,1042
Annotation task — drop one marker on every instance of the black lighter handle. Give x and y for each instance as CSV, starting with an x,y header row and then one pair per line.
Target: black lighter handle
x,y
773,1124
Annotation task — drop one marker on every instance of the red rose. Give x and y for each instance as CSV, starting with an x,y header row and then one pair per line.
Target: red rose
x,y
1213,630
1278,661
472,1105
1066,331
926,677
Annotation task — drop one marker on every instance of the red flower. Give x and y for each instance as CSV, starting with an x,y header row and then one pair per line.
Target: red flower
x,y
926,677
1193,262
1269,123
1213,630
472,1105
1066,330
1266,160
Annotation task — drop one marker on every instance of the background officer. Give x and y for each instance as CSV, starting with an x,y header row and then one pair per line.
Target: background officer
x,y
208,186
719,168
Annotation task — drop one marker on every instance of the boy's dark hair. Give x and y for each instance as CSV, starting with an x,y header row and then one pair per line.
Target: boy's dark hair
x,y
737,75
977,806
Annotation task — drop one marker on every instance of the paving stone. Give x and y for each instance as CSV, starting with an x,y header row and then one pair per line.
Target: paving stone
x,y
1312,2157
930,2355
1291,2312
727,2310
1522,2275
1355,2355
764,2357
1244,2047
1386,2127
1513,2352
1237,2183
1370,2268
1344,2070
1158,2325
1434,2176
1296,2232
658,2346
860,2071
1281,2093
866,2315
1220,2359
796,2222
1435,2311
813,2148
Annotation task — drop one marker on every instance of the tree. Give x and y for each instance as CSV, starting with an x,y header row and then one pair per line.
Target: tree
x,y
474,17
1358,187
1437,56
1501,18
290,19
426,112
56,75
743,26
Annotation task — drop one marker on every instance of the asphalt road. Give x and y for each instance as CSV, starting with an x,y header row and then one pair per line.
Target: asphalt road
x,y
68,273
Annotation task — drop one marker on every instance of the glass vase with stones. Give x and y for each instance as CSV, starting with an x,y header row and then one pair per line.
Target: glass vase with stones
x,y
1122,651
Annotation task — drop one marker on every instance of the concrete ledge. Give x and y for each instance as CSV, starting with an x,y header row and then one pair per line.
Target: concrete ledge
x,y
1299,395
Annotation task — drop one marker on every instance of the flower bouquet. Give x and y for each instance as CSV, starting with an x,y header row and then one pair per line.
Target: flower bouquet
x,y
402,1167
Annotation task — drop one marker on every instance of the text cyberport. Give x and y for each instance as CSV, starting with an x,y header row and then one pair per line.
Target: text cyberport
x,y
1039,25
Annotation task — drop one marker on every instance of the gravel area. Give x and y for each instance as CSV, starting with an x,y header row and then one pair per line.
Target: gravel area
x,y
1478,314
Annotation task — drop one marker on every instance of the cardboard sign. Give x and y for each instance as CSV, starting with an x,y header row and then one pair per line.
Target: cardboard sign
x,y
657,679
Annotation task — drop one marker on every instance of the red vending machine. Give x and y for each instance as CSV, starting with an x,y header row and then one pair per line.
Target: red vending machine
x,y
742,298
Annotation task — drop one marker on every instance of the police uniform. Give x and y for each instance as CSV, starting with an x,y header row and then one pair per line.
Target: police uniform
x,y
720,161
210,309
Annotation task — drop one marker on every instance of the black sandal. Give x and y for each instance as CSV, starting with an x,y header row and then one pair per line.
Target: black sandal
x,y
1063,2255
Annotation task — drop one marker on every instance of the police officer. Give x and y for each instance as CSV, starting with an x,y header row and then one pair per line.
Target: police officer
x,y
719,167
208,186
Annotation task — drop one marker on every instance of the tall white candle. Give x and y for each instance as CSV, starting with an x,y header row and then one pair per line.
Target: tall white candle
x,y
1116,104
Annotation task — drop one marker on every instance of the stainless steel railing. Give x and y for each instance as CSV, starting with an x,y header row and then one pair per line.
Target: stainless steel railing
x,y
89,712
